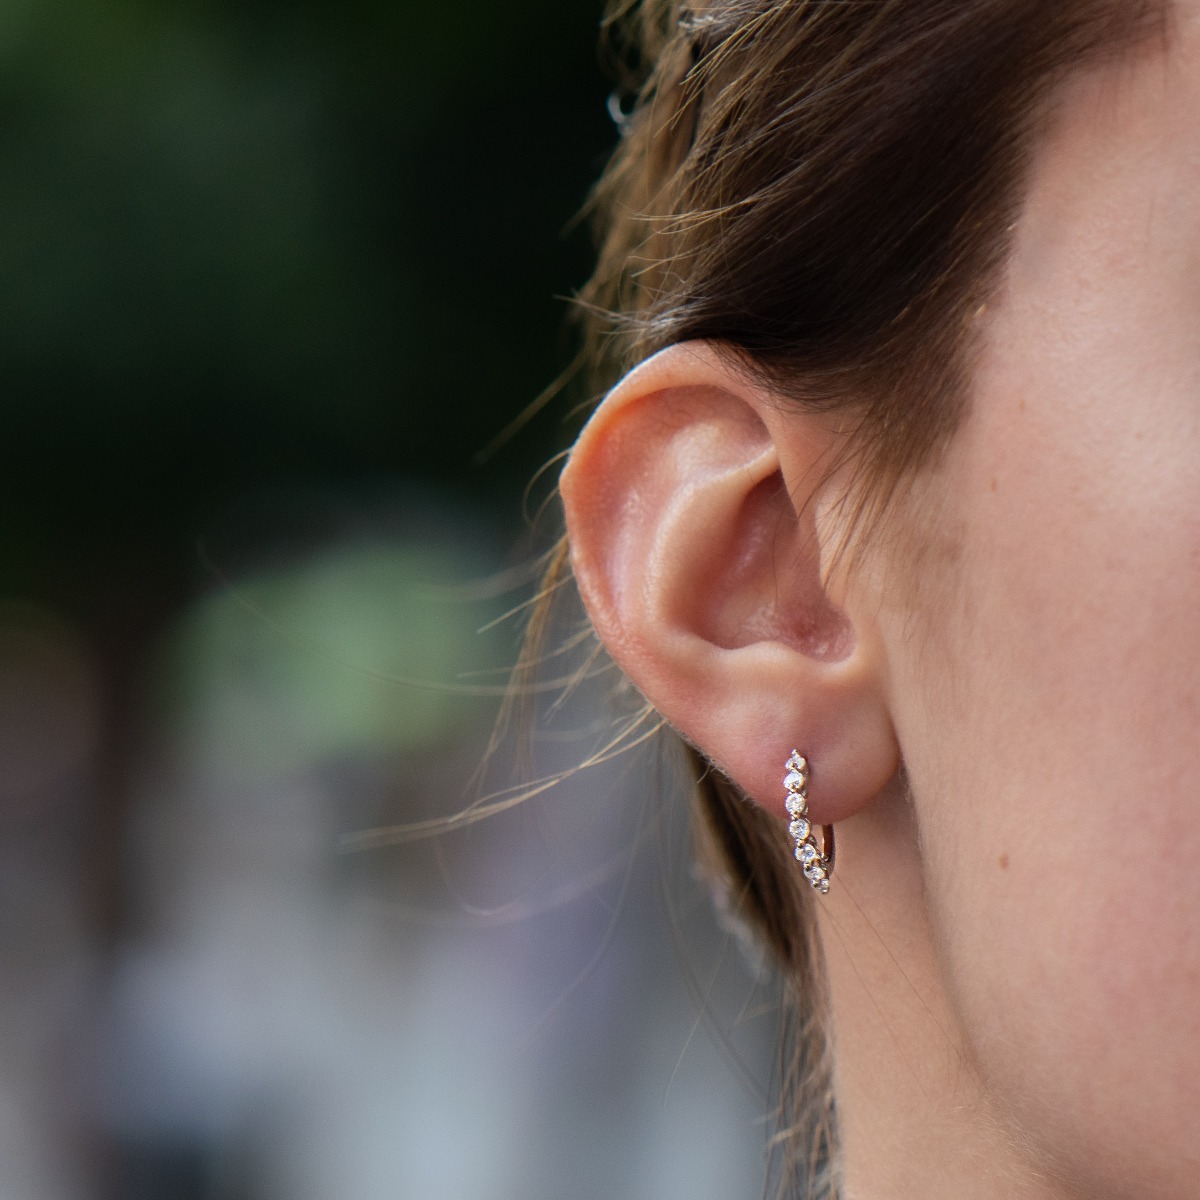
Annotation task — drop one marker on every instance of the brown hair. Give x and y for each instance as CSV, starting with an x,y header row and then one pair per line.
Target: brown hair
x,y
824,188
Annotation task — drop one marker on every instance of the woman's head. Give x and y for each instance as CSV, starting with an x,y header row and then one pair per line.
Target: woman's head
x,y
915,486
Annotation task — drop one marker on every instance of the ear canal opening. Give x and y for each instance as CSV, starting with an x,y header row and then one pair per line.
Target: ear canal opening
x,y
793,606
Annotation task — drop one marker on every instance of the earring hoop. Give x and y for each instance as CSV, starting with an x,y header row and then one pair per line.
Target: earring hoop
x,y
816,862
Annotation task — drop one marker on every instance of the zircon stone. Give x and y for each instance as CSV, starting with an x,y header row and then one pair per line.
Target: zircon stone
x,y
795,804
815,875
794,781
797,762
800,829
808,855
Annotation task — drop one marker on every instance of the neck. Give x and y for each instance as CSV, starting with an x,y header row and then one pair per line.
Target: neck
x,y
914,1119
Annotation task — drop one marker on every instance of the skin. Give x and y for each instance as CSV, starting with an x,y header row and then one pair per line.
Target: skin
x,y
1013,938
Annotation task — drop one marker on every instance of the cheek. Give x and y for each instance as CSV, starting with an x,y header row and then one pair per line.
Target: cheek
x,y
1053,729
1053,755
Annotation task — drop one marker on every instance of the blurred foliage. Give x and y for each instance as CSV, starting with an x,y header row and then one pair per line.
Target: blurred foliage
x,y
253,243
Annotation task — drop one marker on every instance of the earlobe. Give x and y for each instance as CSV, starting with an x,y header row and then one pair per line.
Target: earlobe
x,y
690,501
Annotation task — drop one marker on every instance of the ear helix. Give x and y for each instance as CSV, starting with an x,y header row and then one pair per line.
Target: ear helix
x,y
816,863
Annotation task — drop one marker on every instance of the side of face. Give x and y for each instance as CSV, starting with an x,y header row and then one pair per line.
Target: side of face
x,y
1048,709
1039,681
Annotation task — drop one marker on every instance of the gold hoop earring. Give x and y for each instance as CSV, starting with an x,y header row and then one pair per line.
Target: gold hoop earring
x,y
817,862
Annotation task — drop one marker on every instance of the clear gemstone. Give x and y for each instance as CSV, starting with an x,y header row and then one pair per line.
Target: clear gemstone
x,y
800,829
808,854
799,853
795,805
798,762
822,887
794,781
815,874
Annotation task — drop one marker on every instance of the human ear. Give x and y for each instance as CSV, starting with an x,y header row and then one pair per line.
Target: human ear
x,y
698,511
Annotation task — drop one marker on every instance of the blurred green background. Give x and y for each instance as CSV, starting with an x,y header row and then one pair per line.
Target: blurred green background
x,y
272,278
255,252
254,244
